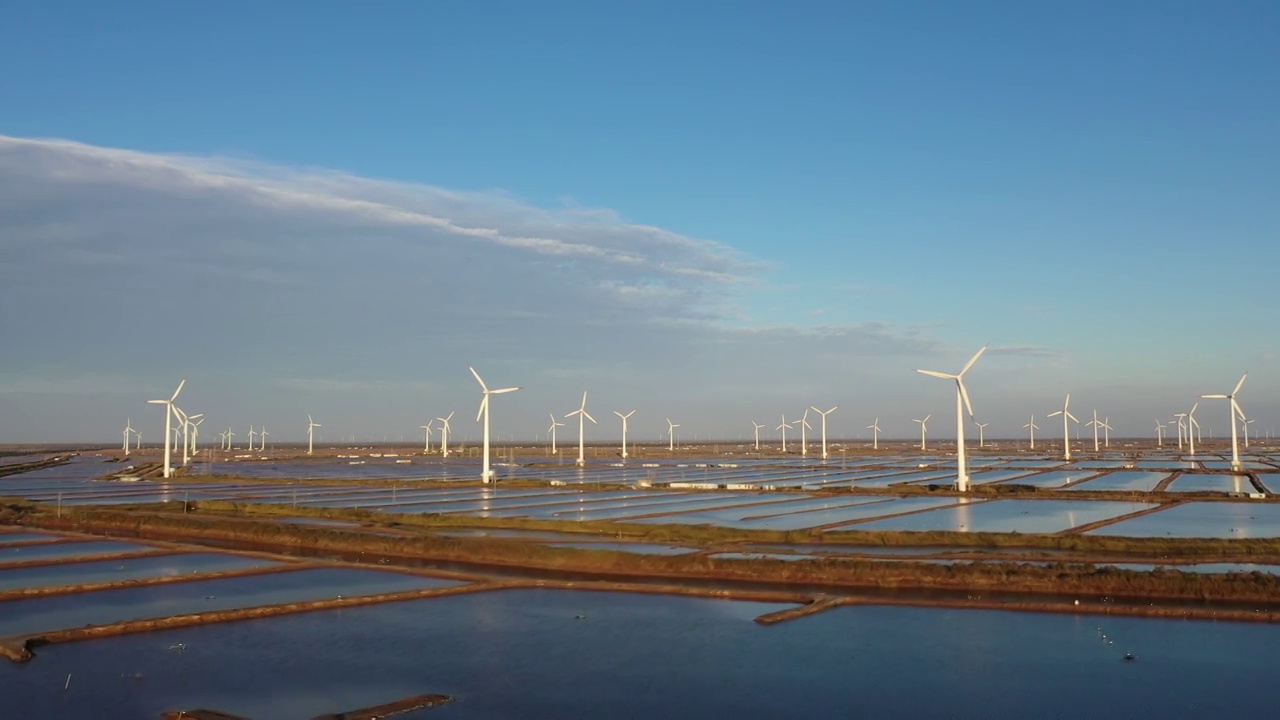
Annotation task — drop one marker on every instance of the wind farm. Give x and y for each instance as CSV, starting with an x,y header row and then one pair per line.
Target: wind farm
x,y
380,250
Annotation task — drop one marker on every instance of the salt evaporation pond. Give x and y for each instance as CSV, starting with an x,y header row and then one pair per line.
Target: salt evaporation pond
x,y
1055,478
635,548
7,538
1201,482
20,617
58,551
1123,480
1226,465
524,654
1021,516
1203,520
115,570
1200,567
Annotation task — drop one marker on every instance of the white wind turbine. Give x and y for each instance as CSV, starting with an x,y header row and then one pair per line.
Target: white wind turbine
x,y
1244,426
262,439
311,427
195,432
981,428
168,419
1106,433
1192,426
1235,411
758,426
128,428
624,429
229,436
1095,424
583,416
1065,412
444,434
962,404
188,428
924,429
252,435
804,439
671,433
783,427
1182,425
426,431
487,474
824,426
554,424
1033,427
1159,433
874,427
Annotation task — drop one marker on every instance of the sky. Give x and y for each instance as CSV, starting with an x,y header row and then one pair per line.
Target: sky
x,y
716,213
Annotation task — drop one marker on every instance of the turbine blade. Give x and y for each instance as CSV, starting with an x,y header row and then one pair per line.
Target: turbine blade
x,y
584,398
964,395
503,390
484,404
175,392
935,373
482,385
1073,418
157,402
588,416
926,417
1240,384
1215,396
974,359
1055,414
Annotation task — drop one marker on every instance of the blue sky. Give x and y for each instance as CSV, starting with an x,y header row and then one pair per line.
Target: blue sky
x,y
714,212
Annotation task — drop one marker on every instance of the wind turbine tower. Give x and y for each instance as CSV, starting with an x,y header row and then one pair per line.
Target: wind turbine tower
x,y
874,427
128,428
783,427
426,433
487,474
962,404
804,439
168,420
757,426
824,427
924,429
624,429
583,416
1235,411
311,427
671,433
1065,412
554,424
444,434
1033,427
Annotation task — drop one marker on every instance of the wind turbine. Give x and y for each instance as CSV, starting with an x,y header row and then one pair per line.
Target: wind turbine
x,y
487,474
804,425
783,427
824,426
924,425
1033,427
187,430
1106,433
583,416
671,433
962,396
426,444
1095,425
552,430
757,426
1235,411
444,434
252,435
874,427
1244,425
1182,424
311,426
624,429
168,418
195,432
1159,433
128,428
229,436
262,439
1192,426
1066,432
981,427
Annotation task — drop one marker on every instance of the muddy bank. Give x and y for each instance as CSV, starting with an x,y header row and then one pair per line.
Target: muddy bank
x,y
398,707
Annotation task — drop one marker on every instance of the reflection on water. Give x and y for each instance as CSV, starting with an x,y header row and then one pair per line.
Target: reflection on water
x,y
561,654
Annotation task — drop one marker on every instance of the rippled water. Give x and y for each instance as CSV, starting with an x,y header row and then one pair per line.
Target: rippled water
x,y
527,654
